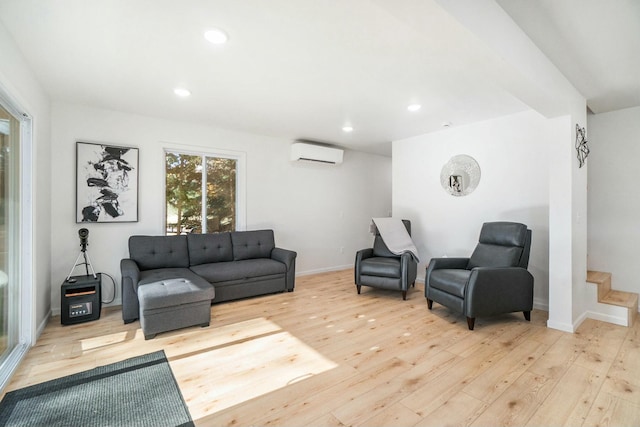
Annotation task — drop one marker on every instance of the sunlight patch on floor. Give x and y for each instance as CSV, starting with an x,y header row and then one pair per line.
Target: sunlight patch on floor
x,y
224,376
101,341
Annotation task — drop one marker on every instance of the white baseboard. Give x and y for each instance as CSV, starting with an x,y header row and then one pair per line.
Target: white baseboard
x,y
609,318
565,327
576,323
115,302
324,270
540,304
616,320
43,324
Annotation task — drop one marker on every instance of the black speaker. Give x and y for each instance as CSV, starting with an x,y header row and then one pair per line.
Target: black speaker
x,y
80,299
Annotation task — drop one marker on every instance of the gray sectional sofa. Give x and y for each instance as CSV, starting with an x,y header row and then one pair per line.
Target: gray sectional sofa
x,y
169,282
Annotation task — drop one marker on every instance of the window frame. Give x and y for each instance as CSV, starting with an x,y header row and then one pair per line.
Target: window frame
x,y
26,328
241,182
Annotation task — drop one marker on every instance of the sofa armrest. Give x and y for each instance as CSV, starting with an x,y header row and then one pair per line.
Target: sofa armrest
x,y
364,254
361,255
442,264
498,290
288,258
409,267
448,263
130,278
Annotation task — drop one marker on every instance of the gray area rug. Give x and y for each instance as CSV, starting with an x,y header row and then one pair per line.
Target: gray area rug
x,y
140,391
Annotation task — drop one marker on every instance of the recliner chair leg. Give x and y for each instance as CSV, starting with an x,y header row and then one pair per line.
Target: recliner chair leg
x,y
358,287
429,304
404,295
527,315
471,321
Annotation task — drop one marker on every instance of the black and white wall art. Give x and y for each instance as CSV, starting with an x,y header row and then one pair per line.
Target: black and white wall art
x,y
106,183
460,175
582,146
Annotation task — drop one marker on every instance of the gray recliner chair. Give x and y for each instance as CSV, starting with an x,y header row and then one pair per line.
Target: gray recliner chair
x,y
494,280
378,267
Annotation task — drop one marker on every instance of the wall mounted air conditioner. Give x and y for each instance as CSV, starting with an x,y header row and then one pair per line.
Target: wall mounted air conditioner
x,y
316,153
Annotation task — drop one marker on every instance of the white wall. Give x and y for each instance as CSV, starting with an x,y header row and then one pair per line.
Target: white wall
x,y
512,153
579,177
552,95
320,211
561,251
569,293
614,222
21,85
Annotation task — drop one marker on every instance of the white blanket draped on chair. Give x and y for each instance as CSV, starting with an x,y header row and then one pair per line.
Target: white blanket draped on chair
x,y
395,236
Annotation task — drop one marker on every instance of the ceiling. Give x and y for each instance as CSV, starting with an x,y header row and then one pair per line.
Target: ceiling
x,y
595,43
303,69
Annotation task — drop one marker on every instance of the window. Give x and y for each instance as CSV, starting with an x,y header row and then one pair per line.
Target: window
x,y
201,192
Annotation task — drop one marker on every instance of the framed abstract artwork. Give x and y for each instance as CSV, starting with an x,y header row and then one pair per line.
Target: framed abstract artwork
x,y
106,183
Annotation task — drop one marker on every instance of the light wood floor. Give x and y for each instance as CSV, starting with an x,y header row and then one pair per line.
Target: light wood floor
x,y
324,355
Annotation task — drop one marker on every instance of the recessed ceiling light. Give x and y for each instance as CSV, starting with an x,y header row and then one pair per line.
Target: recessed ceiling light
x,y
216,36
446,124
347,129
181,92
414,107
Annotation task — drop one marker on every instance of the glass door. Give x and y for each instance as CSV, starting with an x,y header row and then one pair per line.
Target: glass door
x,y
9,233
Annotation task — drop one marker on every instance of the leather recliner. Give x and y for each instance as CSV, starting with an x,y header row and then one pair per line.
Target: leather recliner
x,y
494,280
378,267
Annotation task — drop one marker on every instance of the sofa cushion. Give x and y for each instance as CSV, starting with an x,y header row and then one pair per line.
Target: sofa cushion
x,y
380,249
500,245
159,274
452,282
379,266
172,293
244,269
207,248
503,233
486,255
252,244
151,252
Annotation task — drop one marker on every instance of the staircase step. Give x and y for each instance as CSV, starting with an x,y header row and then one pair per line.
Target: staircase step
x,y
603,280
598,276
606,295
621,298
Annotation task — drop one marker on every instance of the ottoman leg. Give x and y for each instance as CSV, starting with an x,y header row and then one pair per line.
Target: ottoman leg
x,y
149,336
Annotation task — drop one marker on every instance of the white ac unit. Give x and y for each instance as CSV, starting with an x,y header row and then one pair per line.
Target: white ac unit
x,y
316,153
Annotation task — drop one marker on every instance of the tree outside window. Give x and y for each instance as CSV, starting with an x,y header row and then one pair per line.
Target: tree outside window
x,y
200,193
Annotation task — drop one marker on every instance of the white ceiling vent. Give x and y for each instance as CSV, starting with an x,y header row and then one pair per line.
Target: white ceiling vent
x,y
316,153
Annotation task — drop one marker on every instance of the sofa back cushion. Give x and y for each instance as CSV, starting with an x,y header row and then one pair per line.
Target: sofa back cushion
x,y
151,252
208,248
252,244
501,244
380,248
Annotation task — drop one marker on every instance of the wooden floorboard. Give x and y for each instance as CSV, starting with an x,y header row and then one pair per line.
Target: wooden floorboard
x,y
325,356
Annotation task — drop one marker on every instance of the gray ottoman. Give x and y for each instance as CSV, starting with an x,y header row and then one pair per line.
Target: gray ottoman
x,y
173,304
